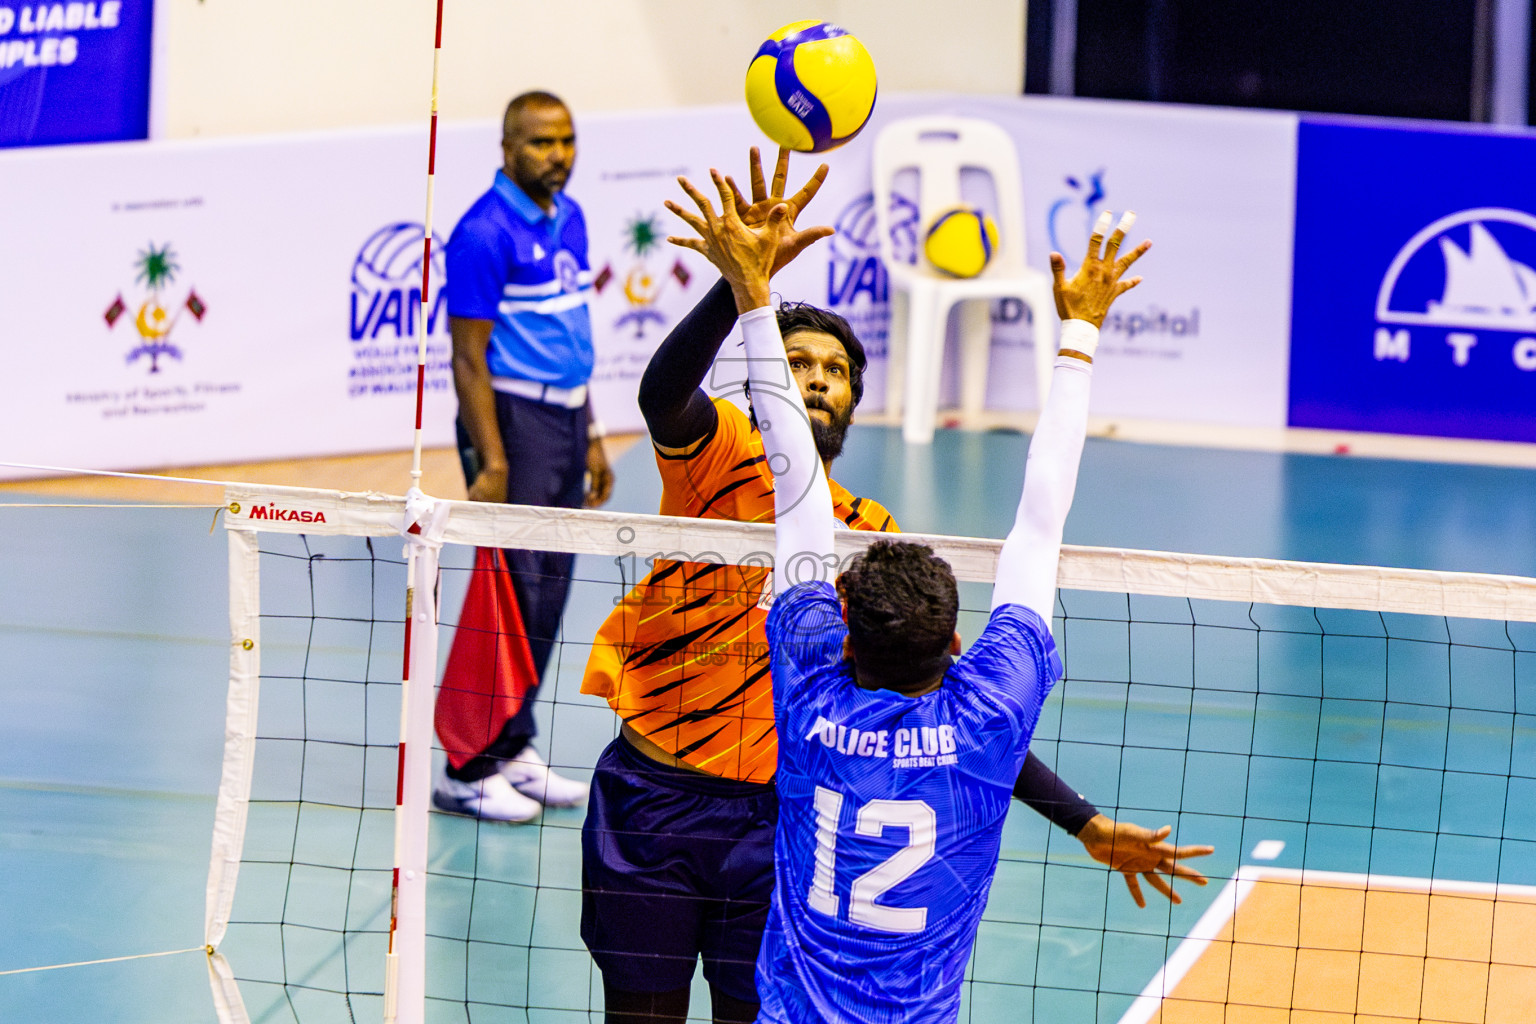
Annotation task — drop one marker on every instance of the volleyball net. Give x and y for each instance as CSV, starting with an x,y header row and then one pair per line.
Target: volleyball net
x,y
1359,744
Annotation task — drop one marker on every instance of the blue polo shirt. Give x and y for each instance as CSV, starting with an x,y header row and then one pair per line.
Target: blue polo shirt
x,y
526,271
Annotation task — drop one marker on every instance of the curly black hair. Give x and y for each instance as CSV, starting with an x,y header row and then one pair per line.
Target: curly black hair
x,y
802,316
902,606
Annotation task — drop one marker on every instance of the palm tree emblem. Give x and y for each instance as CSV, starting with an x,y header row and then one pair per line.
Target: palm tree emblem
x,y
156,272
644,285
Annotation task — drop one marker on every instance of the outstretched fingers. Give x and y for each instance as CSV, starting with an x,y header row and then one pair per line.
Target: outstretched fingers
x,y
686,242
1124,262
1059,282
1180,870
780,172
1135,887
1157,882
743,207
727,199
1112,249
808,191
759,186
693,220
699,198
1175,865
1100,229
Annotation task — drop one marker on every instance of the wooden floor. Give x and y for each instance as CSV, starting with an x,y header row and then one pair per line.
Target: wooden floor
x,y
1329,948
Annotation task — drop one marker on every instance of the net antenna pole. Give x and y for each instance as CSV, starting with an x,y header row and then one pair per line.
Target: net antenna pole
x,y
426,256
405,973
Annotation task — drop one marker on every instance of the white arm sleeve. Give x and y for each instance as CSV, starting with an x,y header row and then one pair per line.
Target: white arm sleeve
x,y
802,501
1026,568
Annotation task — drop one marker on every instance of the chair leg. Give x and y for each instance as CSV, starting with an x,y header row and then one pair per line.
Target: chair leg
x,y
975,355
925,349
1042,311
896,346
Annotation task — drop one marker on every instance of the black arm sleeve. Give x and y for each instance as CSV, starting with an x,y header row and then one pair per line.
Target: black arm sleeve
x,y
677,412
1046,793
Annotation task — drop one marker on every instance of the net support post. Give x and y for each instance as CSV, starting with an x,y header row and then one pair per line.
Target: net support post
x,y
233,806
405,969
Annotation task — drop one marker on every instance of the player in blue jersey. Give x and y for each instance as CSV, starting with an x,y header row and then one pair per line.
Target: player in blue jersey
x,y
896,761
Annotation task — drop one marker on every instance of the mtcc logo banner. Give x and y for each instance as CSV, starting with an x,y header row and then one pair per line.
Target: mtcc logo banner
x,y
1414,307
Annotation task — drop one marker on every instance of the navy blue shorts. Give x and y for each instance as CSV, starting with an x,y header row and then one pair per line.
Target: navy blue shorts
x,y
675,865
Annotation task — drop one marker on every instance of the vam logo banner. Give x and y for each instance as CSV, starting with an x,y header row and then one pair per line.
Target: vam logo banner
x,y
858,287
1415,295
385,314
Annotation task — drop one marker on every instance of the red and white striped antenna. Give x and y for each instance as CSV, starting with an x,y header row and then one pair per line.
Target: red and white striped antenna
x,y
426,255
405,962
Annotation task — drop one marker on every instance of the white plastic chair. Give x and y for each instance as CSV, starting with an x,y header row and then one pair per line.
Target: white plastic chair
x,y
939,148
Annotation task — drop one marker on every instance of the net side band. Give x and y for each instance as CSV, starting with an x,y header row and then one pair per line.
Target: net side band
x,y
296,510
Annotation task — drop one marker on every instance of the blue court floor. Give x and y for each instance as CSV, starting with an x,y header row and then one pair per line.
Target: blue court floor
x,y
114,641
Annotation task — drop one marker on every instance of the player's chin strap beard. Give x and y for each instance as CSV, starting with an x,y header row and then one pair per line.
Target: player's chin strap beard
x,y
829,437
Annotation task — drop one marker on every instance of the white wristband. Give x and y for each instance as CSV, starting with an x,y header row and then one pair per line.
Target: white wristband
x,y
1079,336
595,429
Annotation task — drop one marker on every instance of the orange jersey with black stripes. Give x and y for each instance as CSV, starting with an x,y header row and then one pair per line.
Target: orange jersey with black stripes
x,y
684,657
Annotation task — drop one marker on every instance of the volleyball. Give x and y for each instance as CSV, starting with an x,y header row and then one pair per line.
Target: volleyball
x,y
960,241
811,86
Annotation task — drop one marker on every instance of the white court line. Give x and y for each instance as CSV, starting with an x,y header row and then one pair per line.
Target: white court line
x,y
1190,950
1224,908
1449,886
1268,849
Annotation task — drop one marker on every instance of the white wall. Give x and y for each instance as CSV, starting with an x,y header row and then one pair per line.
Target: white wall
x,y
244,66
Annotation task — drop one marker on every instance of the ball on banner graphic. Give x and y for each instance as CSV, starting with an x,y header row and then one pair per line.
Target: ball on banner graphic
x,y
960,241
811,86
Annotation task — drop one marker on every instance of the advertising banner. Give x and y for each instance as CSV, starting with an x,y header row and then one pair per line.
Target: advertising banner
x,y
1203,340
1415,297
182,303
230,300
74,72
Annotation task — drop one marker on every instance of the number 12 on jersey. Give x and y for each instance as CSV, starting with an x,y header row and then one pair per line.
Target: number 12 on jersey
x,y
872,820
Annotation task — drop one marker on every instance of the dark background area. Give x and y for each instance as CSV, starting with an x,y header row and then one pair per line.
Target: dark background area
x,y
1394,58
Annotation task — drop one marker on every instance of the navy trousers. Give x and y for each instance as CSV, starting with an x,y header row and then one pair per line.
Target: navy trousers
x,y
546,448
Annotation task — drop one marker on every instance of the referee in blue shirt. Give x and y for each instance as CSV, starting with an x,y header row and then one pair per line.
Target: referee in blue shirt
x,y
518,287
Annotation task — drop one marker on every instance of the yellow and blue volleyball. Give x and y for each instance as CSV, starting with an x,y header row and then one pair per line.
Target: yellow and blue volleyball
x,y
961,241
811,86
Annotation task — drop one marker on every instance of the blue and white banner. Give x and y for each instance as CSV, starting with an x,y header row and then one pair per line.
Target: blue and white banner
x,y
192,302
234,300
74,72
1414,289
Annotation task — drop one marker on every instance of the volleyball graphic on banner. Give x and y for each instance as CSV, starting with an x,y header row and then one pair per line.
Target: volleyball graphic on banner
x,y
811,86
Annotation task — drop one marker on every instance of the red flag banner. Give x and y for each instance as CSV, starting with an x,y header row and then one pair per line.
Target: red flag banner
x,y
489,666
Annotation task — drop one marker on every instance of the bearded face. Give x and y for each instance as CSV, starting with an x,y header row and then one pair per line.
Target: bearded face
x,y
820,365
829,427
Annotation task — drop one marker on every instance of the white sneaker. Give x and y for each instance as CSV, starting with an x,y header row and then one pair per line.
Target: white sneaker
x,y
489,799
530,776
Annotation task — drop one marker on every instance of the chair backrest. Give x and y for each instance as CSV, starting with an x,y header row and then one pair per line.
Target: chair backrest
x,y
939,148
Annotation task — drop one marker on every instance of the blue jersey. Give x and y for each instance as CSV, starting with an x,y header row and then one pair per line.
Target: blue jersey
x,y
891,813
526,271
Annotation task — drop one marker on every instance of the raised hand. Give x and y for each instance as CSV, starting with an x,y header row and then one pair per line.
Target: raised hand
x,y
793,242
1135,850
744,254
1097,283
754,213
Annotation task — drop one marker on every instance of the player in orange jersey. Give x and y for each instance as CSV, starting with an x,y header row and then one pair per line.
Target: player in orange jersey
x,y
678,844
